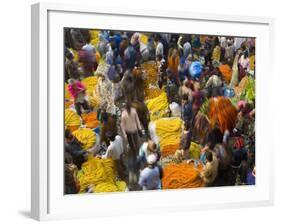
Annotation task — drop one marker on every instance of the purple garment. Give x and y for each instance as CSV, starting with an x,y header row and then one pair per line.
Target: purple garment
x,y
251,180
112,74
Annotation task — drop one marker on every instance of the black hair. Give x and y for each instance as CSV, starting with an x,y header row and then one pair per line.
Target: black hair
x,y
216,41
246,54
67,134
110,135
159,57
209,156
186,125
252,49
157,37
214,137
67,158
185,97
128,106
68,54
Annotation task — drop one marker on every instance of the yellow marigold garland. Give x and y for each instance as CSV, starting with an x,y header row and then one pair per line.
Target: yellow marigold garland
x,y
86,137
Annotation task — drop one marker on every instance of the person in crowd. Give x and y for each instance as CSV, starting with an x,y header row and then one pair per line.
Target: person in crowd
x,y
210,169
187,49
186,88
130,57
185,139
162,68
71,67
77,39
115,151
71,182
197,99
225,175
159,51
173,63
251,177
150,177
229,51
77,91
186,111
214,84
244,65
171,88
104,92
240,159
182,70
74,148
88,59
146,149
130,127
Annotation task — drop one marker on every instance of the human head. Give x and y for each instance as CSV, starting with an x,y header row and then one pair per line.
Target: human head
x,y
128,106
159,57
252,50
68,135
71,81
216,41
186,125
151,146
151,159
68,54
110,135
209,156
246,54
185,98
157,37
169,74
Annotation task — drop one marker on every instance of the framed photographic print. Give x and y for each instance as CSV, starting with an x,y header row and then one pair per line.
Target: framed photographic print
x,y
136,106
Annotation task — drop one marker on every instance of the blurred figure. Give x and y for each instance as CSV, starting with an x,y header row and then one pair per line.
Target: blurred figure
x,y
115,151
210,170
146,149
185,139
77,91
74,148
71,182
186,109
150,177
130,127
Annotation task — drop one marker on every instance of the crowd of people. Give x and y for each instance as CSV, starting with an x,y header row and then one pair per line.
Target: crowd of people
x,y
207,81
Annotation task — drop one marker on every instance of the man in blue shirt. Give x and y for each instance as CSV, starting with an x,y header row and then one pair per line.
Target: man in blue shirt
x,y
150,177
186,108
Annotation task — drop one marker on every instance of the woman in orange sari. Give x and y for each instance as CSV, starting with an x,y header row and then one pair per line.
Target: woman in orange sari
x,y
173,62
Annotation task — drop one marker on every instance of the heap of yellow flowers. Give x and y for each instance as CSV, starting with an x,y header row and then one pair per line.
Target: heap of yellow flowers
x,y
68,101
151,93
90,85
169,131
100,175
86,137
158,107
72,120
151,70
94,37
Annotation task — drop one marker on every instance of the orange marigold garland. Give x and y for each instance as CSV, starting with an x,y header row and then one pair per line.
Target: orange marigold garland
x,y
90,120
226,72
183,175
223,113
169,150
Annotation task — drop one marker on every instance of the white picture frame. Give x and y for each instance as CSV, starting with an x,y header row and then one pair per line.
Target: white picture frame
x,y
48,201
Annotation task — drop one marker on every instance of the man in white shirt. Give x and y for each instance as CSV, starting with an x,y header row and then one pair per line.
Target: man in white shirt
x,y
115,151
159,48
